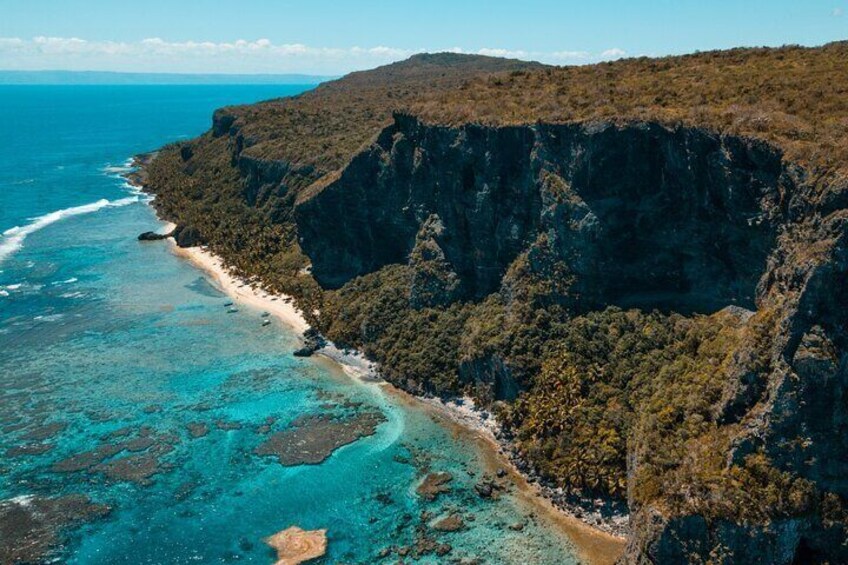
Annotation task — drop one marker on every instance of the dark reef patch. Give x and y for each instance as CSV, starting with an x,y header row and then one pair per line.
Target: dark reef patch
x,y
45,431
146,448
197,429
32,528
29,449
311,439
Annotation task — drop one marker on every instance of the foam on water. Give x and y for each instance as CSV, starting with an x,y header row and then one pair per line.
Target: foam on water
x,y
13,238
126,167
49,318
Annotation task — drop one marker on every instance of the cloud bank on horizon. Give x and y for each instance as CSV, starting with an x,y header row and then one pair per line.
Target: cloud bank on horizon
x,y
241,56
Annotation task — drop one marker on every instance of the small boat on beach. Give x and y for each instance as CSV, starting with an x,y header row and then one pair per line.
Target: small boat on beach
x,y
266,323
232,310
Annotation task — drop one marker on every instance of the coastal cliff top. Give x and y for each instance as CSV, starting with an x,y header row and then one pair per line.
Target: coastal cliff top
x,y
321,129
793,97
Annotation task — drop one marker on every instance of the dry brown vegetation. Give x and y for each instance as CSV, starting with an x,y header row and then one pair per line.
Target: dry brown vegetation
x,y
321,129
793,97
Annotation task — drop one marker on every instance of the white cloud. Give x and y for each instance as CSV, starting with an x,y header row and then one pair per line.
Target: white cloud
x,y
490,52
571,55
614,53
155,54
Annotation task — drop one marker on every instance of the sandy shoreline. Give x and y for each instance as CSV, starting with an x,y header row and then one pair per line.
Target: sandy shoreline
x,y
279,306
592,544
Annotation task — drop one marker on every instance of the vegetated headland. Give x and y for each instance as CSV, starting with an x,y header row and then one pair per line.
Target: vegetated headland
x,y
641,267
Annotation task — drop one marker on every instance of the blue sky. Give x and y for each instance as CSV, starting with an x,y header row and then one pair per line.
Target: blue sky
x,y
324,37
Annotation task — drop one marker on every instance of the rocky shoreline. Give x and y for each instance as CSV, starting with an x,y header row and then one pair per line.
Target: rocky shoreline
x,y
604,515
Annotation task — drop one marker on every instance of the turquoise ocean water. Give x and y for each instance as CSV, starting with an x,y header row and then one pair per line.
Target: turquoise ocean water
x,y
105,340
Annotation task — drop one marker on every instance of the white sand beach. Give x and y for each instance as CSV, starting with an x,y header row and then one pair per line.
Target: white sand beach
x,y
278,305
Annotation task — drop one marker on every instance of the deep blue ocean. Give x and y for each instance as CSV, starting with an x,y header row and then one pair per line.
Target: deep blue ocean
x,y
116,357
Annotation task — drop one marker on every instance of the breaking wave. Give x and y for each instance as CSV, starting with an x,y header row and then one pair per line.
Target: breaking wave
x,y
13,238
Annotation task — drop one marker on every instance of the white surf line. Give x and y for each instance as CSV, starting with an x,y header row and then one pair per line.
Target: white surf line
x,y
13,238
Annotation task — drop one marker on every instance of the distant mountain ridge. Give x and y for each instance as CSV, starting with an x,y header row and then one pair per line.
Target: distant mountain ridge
x,y
121,78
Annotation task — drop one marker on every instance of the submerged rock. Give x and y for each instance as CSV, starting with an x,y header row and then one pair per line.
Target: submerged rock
x,y
295,545
433,485
29,449
148,446
452,523
134,468
311,439
197,429
46,431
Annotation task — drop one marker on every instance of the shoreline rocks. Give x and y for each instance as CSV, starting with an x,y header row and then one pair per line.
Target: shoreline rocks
x,y
312,342
153,236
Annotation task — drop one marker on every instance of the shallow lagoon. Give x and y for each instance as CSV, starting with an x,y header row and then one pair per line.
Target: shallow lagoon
x,y
124,379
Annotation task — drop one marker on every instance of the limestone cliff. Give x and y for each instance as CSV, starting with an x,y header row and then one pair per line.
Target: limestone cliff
x,y
642,214
638,215
469,239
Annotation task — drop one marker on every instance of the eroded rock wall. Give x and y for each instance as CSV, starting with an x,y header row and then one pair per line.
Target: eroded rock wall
x,y
643,215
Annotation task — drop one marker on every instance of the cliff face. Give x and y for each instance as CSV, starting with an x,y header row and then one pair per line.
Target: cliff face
x,y
635,215
479,183
643,216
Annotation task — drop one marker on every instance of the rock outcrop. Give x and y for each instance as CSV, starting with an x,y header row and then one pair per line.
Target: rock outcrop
x,y
295,545
153,236
187,236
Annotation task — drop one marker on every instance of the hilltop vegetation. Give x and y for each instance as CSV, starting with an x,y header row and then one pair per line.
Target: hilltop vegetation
x,y
793,97
641,266
320,130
